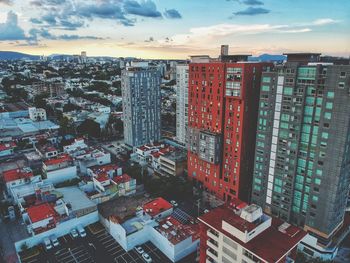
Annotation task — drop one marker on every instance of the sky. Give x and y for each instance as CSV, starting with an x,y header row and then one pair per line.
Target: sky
x,y
174,29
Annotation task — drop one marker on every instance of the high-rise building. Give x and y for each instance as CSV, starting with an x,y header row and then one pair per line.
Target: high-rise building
x,y
141,105
302,156
242,233
181,102
222,114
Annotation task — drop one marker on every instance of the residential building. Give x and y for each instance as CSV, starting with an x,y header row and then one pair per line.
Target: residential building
x,y
302,156
51,211
222,113
37,114
181,102
242,233
7,148
141,105
173,163
135,221
59,169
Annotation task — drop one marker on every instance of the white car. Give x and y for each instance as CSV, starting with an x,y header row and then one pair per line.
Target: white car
x,y
74,233
174,203
54,241
146,257
47,244
139,250
81,231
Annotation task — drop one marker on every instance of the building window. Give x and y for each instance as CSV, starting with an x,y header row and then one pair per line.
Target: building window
x,y
266,79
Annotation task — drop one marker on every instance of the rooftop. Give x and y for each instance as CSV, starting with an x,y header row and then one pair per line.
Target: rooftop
x,y
6,146
40,212
122,178
156,206
176,232
281,237
57,160
122,208
16,174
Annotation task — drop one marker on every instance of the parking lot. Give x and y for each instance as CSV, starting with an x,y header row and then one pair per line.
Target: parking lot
x,y
96,247
119,255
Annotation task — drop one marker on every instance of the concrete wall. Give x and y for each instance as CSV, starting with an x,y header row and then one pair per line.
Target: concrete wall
x,y
60,230
61,175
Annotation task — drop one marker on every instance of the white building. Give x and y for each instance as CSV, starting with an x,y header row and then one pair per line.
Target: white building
x,y
59,169
243,233
37,114
181,102
152,221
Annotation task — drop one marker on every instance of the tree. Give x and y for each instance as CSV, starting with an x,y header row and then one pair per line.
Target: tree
x,y
90,127
39,100
66,126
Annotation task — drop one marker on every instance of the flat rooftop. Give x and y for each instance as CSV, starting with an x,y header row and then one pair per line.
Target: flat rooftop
x,y
271,245
77,198
157,206
122,208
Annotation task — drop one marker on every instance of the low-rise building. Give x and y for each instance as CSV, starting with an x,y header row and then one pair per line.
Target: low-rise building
x,y
173,163
59,169
109,179
7,148
242,233
37,114
133,222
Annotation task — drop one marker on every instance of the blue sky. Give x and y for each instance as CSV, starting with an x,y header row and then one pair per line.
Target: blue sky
x,y
174,28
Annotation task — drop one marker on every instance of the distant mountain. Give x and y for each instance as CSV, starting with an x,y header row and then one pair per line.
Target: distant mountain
x,y
10,55
268,57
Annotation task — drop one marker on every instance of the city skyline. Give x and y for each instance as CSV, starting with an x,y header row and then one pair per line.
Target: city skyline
x,y
182,27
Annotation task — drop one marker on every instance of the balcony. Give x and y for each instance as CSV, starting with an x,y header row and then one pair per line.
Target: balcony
x,y
212,244
212,254
213,235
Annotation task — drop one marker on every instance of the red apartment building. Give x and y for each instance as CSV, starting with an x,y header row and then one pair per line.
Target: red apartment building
x,y
223,103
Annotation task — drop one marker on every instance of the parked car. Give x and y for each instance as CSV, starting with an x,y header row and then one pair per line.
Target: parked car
x,y
54,241
139,250
81,231
74,233
47,244
146,257
174,203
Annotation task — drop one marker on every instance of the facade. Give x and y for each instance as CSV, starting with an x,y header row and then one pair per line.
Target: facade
x,y
245,234
302,158
222,114
141,105
37,114
59,169
173,163
181,102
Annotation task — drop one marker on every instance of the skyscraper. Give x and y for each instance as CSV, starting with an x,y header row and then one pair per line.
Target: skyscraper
x,y
141,104
222,110
302,156
181,102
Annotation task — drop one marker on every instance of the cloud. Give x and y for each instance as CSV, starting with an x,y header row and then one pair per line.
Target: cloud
x,y
145,8
324,21
71,15
301,30
36,34
252,11
172,14
10,30
6,2
151,39
252,2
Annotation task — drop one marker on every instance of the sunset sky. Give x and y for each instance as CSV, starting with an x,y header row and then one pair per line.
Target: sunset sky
x,y
174,28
